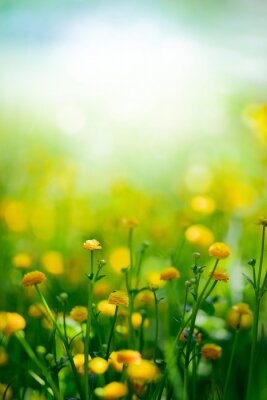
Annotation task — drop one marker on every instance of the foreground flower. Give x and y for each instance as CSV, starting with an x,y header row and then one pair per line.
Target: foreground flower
x,y
92,244
98,366
105,308
220,275
169,273
219,250
145,371
33,278
12,322
79,313
211,351
119,298
113,360
240,315
129,357
22,261
113,390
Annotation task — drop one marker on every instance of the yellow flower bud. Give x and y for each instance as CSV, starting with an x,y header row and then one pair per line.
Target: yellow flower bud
x,y
92,244
118,298
79,313
211,351
33,278
106,308
219,250
98,365
112,391
144,371
128,356
169,273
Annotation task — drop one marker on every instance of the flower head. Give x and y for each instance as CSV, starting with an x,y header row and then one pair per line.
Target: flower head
x,y
33,278
240,316
98,365
145,371
112,391
92,244
12,322
22,261
219,250
128,356
79,313
36,310
106,308
220,275
113,360
130,222
137,321
211,351
118,298
169,273
78,360
199,235
262,221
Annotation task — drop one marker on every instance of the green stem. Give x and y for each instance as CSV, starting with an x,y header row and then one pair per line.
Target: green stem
x,y
253,348
194,373
211,289
111,332
88,327
43,369
213,382
157,324
230,365
63,339
130,245
261,256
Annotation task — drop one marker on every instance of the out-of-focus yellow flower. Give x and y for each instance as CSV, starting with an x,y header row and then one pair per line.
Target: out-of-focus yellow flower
x,y
33,278
220,275
78,360
92,244
101,288
15,216
2,320
219,250
113,360
199,235
112,391
204,205
36,310
79,313
3,357
119,258
52,262
43,221
241,315
211,351
146,296
130,222
129,357
106,308
22,261
137,321
169,273
98,366
153,280
8,392
196,335
13,322
262,221
118,298
144,371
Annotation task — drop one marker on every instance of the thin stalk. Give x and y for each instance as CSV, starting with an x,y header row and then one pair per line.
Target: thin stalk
x,y
130,245
185,303
62,337
261,256
43,369
194,373
111,332
211,289
213,381
253,348
230,365
157,324
88,327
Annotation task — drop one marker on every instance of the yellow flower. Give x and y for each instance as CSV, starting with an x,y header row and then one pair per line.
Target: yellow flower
x,y
22,261
262,221
8,392
33,278
113,360
153,280
199,235
112,391
101,288
128,356
169,273
98,365
52,262
146,296
3,357
106,308
137,321
119,258
92,244
203,204
13,322
36,310
79,313
130,222
211,351
220,275
219,250
144,371
241,315
78,360
118,298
